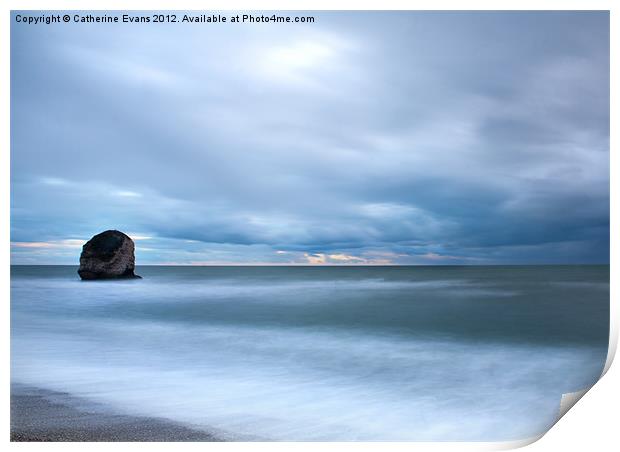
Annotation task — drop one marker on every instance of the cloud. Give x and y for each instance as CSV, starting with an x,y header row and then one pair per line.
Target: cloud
x,y
68,243
428,137
127,194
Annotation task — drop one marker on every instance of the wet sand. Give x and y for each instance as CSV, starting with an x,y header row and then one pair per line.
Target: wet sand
x,y
40,415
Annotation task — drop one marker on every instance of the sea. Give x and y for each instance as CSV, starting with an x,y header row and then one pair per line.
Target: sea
x,y
322,353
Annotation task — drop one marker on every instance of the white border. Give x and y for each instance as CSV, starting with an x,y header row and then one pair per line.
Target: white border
x,y
591,425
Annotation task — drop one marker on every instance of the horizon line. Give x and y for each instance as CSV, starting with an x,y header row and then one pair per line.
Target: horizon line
x,y
336,265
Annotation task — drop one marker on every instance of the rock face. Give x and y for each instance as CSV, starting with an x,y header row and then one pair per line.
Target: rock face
x,y
108,255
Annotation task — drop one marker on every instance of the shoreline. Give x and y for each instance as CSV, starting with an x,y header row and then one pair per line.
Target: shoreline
x,y
39,415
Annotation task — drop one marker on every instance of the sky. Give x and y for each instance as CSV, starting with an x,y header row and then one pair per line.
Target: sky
x,y
415,138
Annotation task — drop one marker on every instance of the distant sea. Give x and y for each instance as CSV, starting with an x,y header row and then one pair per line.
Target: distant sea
x,y
318,353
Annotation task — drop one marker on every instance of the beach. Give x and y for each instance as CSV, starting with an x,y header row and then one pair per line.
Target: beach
x,y
42,415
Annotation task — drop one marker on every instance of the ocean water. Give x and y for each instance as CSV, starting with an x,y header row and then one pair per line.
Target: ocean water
x,y
318,353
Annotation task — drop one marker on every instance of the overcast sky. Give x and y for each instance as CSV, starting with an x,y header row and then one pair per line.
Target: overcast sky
x,y
376,138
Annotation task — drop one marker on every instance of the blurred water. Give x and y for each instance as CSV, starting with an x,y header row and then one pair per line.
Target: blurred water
x,y
319,353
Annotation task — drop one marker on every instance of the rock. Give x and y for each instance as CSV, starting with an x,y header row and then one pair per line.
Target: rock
x,y
108,255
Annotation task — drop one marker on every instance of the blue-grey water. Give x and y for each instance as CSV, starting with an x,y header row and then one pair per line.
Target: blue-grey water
x,y
319,353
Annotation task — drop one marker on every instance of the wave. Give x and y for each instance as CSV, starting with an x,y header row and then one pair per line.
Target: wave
x,y
285,355
304,384
225,288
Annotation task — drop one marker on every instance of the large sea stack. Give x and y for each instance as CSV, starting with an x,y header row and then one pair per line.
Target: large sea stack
x,y
108,255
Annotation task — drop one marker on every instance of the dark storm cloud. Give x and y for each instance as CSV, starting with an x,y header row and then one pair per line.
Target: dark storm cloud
x,y
362,138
